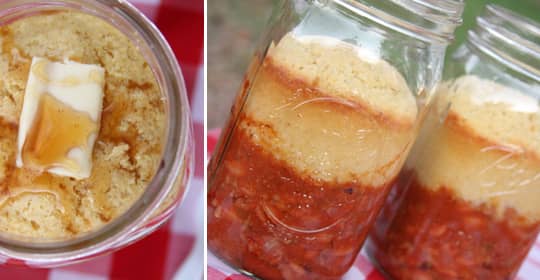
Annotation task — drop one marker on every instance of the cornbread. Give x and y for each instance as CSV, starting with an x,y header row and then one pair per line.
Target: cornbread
x,y
331,112
487,150
129,145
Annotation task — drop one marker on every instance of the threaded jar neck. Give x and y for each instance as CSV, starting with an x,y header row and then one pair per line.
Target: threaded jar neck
x,y
433,21
509,38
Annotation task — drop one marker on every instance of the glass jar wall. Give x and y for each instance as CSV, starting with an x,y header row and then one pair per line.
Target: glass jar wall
x,y
323,122
466,205
143,156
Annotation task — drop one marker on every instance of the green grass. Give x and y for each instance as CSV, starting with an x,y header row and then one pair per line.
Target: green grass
x,y
473,8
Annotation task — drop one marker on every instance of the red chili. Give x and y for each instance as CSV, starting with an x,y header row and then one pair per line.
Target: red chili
x,y
436,235
267,219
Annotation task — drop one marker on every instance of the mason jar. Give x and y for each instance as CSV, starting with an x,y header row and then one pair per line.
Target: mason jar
x,y
467,204
323,122
174,164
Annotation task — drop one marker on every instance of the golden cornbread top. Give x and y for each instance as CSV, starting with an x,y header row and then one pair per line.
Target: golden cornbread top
x,y
498,114
129,146
487,148
342,70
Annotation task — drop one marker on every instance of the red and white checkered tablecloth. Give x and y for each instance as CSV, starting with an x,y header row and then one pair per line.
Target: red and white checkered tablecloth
x,y
177,244
362,268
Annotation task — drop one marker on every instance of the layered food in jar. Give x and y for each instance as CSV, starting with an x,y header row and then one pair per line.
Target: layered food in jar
x,y
467,205
317,138
82,125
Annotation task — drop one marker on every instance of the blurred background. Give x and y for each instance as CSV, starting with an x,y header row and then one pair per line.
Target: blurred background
x,y
234,27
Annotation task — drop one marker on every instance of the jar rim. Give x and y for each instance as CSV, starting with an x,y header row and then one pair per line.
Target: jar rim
x,y
508,38
177,156
432,21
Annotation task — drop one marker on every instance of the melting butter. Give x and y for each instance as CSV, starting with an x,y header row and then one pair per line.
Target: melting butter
x,y
60,118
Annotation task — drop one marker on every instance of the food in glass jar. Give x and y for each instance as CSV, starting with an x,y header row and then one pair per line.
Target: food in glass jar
x,y
467,206
55,183
308,161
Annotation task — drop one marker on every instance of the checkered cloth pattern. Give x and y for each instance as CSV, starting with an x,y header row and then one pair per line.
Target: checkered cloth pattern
x,y
362,268
178,245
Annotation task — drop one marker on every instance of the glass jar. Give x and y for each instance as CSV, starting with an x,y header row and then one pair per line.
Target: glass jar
x,y
167,188
323,122
467,204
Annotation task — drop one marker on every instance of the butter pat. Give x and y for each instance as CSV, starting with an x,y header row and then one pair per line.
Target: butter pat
x,y
60,118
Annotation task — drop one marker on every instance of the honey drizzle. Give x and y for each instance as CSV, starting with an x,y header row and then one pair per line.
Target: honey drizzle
x,y
7,40
115,108
56,129
7,129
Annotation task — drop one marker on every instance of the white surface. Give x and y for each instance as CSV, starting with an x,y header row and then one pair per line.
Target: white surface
x,y
198,97
190,216
146,2
68,275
